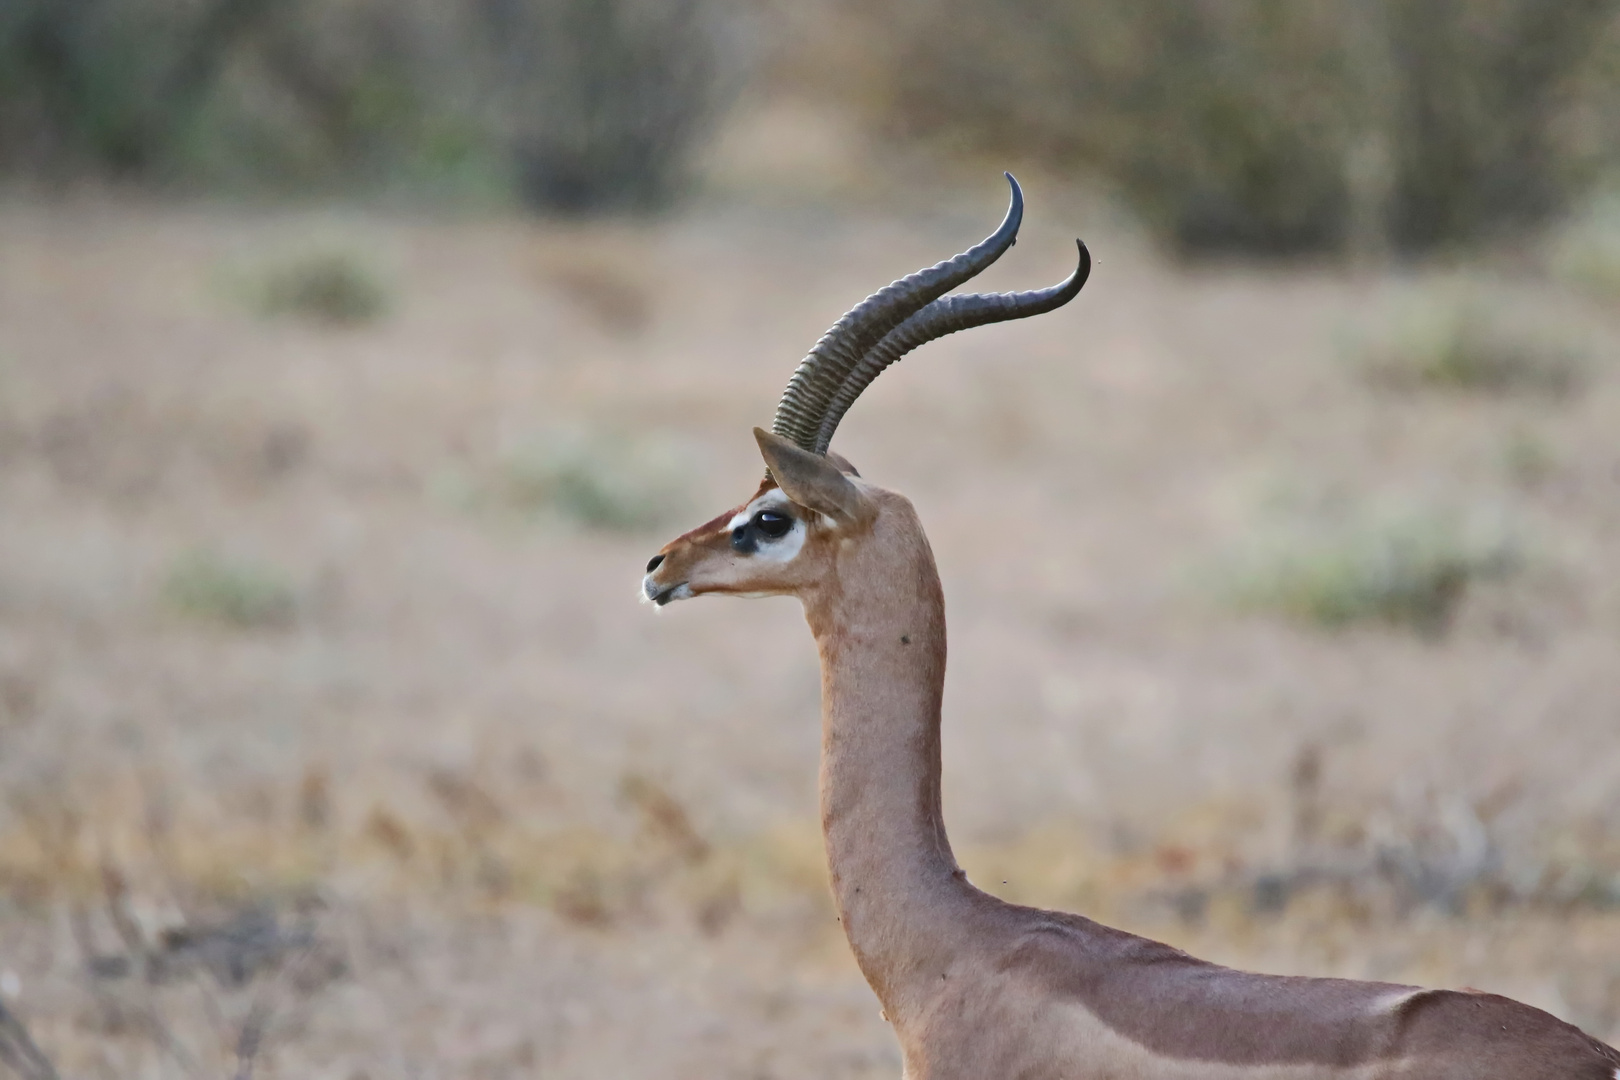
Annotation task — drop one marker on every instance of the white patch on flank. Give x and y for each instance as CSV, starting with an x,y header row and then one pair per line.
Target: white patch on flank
x,y
784,548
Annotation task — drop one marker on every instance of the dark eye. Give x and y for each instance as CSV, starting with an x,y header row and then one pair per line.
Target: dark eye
x,y
773,524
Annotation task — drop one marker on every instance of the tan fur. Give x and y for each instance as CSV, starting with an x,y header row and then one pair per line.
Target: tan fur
x,y
978,989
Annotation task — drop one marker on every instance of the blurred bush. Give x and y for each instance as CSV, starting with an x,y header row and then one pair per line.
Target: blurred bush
x,y
571,105
1410,570
210,587
600,103
170,89
335,287
1283,125
1586,251
1462,335
595,480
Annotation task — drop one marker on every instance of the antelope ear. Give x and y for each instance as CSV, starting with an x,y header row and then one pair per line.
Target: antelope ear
x,y
812,480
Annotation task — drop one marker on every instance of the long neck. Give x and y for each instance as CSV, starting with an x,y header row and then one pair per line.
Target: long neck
x,y
880,629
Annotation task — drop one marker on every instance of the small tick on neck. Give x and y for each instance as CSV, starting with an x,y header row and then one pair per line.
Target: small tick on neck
x,y
905,639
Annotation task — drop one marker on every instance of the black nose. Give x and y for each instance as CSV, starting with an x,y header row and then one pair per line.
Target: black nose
x,y
653,564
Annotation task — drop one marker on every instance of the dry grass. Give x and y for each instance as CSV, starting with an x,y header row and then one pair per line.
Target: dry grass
x,y
202,946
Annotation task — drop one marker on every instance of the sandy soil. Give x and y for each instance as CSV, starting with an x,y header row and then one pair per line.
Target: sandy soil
x,y
492,817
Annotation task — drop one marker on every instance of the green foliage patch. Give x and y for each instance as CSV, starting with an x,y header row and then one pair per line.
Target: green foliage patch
x,y
206,585
594,481
1586,251
335,287
1410,570
1466,337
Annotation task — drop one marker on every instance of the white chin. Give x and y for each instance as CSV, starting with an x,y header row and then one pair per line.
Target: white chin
x,y
650,593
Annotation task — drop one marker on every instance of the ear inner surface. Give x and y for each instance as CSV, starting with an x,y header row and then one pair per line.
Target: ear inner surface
x,y
810,480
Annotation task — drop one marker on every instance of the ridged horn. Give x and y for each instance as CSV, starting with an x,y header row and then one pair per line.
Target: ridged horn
x,y
945,315
819,375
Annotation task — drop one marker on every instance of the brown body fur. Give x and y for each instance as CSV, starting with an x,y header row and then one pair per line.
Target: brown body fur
x,y
977,988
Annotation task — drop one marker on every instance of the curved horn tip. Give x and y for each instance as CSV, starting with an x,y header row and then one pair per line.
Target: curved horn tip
x,y
1085,258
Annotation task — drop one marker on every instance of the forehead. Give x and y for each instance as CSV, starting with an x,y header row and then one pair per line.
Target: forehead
x,y
723,521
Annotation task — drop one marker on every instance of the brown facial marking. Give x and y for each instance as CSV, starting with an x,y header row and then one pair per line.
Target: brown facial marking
x,y
719,521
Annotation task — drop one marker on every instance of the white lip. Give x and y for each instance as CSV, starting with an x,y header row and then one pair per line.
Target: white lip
x,y
652,594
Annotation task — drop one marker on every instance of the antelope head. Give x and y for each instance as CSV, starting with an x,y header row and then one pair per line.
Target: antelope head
x,y
784,539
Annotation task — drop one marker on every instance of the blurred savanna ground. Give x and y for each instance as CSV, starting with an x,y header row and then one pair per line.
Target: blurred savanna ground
x,y
355,355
